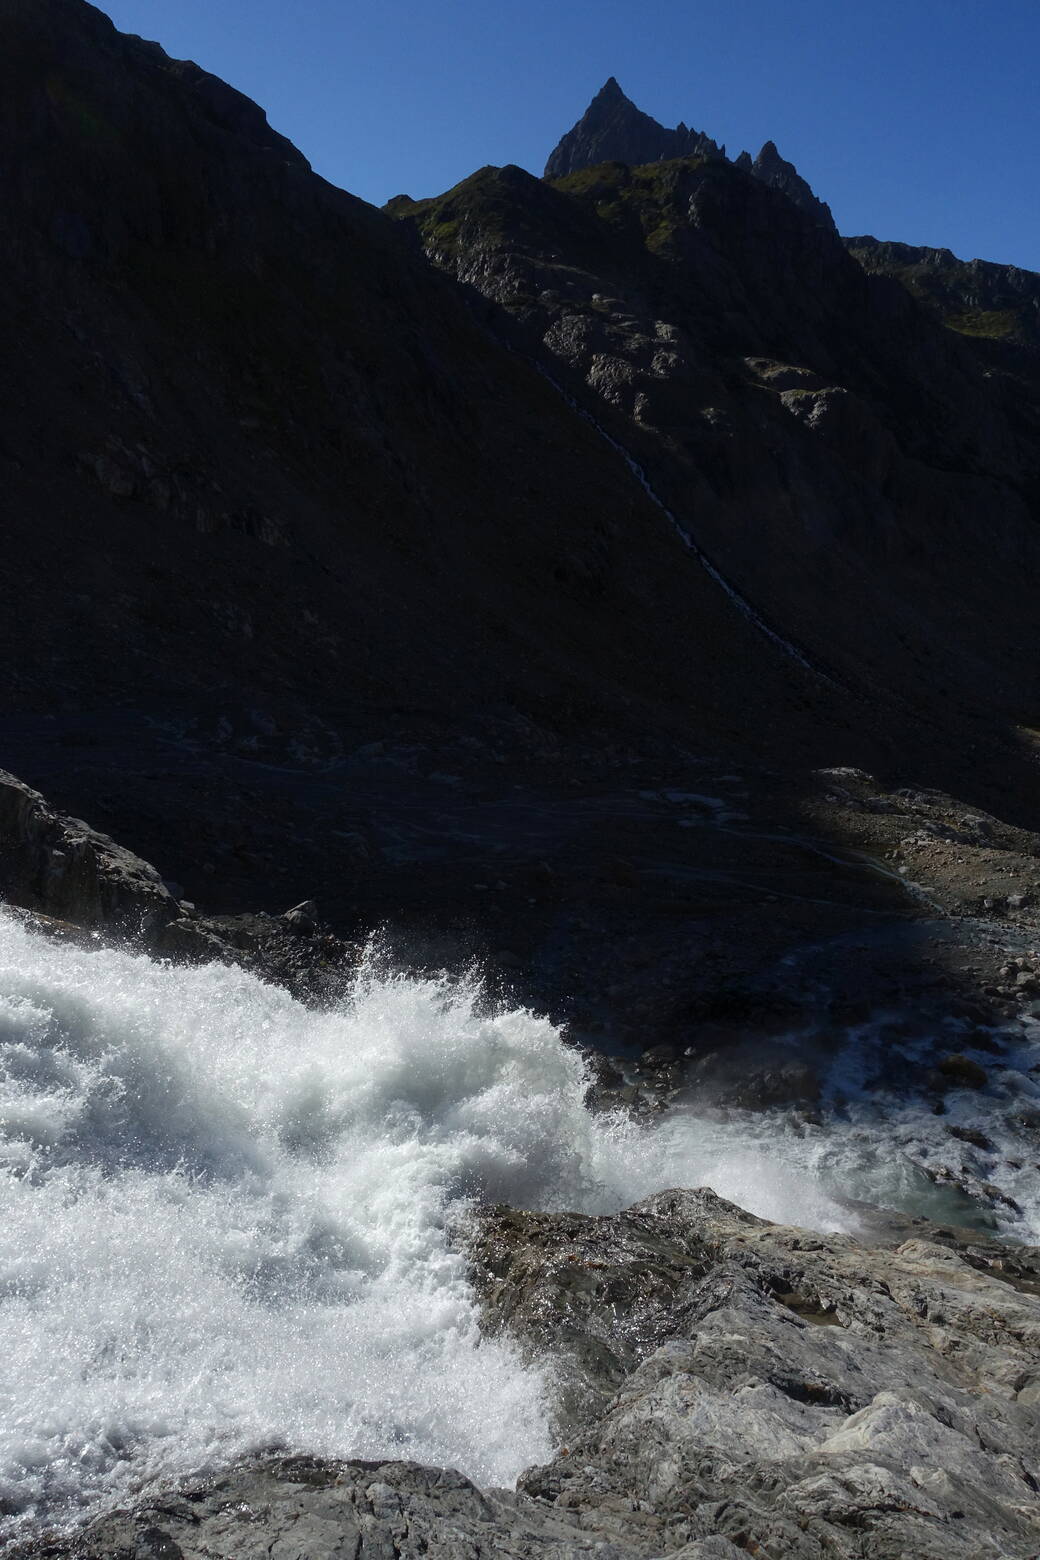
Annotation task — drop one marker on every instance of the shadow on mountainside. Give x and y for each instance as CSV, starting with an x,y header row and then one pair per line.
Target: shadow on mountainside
x,y
321,589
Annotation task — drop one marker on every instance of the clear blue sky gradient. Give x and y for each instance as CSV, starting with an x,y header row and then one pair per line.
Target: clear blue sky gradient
x,y
917,120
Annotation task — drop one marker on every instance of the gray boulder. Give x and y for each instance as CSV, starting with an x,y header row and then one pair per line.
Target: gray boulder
x,y
63,868
71,881
798,1394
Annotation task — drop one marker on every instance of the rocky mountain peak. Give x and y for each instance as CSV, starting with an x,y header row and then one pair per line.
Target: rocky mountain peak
x,y
613,129
610,91
774,170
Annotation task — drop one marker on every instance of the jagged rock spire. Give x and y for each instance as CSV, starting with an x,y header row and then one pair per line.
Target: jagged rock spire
x,y
774,170
613,129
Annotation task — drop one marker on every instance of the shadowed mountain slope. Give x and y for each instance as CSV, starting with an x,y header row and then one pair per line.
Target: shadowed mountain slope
x,y
977,298
846,463
253,429
265,476
326,582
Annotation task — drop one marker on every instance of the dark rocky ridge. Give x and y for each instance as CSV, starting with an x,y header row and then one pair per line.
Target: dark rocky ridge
x,y
977,298
263,417
613,129
261,434
829,447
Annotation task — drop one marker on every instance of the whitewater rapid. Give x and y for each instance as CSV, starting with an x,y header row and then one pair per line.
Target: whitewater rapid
x,y
226,1220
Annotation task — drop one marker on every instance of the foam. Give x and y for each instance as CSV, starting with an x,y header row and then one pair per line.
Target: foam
x,y
225,1219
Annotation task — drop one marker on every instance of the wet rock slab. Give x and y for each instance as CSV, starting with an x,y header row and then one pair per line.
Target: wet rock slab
x,y
306,1507
799,1394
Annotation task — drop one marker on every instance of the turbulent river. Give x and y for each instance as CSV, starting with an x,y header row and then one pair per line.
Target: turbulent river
x,y
226,1220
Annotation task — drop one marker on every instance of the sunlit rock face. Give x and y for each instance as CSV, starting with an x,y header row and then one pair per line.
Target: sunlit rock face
x,y
809,425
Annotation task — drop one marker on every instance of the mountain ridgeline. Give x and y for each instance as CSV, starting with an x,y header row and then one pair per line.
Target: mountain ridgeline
x,y
397,530
613,129
826,441
977,298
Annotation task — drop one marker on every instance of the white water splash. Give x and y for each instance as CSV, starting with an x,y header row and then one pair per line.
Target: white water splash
x,y
224,1217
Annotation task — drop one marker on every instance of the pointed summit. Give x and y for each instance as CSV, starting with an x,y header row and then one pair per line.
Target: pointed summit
x,y
772,169
611,88
613,129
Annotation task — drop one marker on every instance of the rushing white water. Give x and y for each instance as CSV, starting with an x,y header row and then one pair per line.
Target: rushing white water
x,y
224,1218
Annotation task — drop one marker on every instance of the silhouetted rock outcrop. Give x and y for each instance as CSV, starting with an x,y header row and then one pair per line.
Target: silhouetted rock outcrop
x,y
774,170
613,129
65,869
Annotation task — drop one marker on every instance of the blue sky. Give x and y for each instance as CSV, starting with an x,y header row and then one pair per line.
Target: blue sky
x,y
917,120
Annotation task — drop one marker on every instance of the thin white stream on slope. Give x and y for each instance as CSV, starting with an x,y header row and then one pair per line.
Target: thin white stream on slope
x,y
223,1217
743,606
